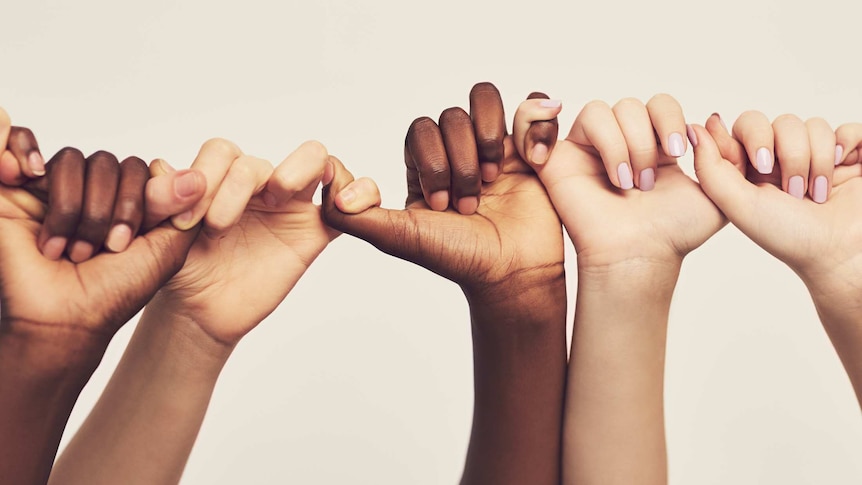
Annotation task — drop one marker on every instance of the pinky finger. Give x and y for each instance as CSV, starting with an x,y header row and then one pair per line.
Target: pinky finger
x,y
22,143
848,143
536,127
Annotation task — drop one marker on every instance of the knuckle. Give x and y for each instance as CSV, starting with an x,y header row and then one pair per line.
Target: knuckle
x,y
69,152
103,156
628,103
662,99
454,115
752,115
483,88
595,106
422,125
221,147
787,119
314,148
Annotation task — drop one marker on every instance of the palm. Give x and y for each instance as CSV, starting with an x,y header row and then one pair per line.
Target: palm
x,y
514,230
607,224
231,283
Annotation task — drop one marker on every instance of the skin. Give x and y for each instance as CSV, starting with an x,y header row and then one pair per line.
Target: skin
x,y
818,238
56,316
631,237
260,225
501,242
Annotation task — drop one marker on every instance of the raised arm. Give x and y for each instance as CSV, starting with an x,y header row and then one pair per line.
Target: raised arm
x,y
477,215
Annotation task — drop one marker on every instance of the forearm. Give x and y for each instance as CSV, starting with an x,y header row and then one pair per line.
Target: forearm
x,y
144,426
519,355
41,377
614,415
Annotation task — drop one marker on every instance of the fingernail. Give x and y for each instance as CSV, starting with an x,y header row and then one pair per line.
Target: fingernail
x,y
647,179
328,174
81,251
764,160
186,185
720,121
675,144
184,220
820,187
348,195
692,135
439,201
167,167
540,154
796,187
54,247
269,199
37,163
468,205
551,103
490,171
119,238
839,154
625,175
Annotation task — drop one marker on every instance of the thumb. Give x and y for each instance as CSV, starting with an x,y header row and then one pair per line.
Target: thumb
x,y
170,192
721,179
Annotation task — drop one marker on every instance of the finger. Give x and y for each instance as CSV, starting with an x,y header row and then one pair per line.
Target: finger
x,y
754,131
428,154
669,123
298,173
247,177
536,128
793,154
66,171
849,141
214,160
733,151
170,192
720,179
459,140
634,121
100,193
5,127
821,140
10,170
596,127
129,206
489,124
357,196
22,144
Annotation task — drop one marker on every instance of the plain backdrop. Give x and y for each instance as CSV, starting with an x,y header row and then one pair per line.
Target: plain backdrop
x,y
364,374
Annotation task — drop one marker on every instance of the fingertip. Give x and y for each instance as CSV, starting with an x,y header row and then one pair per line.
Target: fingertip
x,y
328,173
839,154
119,238
439,201
468,205
81,251
624,174
53,248
184,221
539,155
490,171
692,135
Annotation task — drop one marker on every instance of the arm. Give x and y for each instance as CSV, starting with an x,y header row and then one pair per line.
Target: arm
x,y
499,239
261,226
632,216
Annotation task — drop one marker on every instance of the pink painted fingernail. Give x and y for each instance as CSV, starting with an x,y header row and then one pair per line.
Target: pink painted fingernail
x,y
119,238
439,201
676,145
551,103
839,154
720,121
764,160
186,185
468,205
625,175
81,251
647,179
540,154
54,247
37,163
692,135
820,189
796,187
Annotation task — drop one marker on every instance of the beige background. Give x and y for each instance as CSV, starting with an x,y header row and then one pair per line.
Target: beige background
x,y
364,375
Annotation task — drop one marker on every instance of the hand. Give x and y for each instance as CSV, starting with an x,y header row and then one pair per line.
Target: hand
x,y
261,232
479,235
590,177
20,158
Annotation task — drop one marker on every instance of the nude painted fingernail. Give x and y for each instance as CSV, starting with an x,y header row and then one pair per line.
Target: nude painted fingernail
x,y
37,163
490,172
347,196
186,185
839,154
676,145
81,251
328,174
540,154
820,189
468,205
551,103
647,179
439,201
625,175
764,160
119,238
720,121
692,135
184,220
796,187
165,166
54,247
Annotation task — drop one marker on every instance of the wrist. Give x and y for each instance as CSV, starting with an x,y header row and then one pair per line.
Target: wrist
x,y
529,297
51,351
179,335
